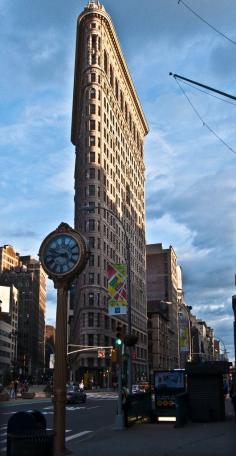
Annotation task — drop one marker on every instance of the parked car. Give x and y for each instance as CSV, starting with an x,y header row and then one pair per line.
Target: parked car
x,y
74,395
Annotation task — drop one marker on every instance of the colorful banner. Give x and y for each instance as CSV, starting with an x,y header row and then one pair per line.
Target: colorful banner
x,y
184,340
117,289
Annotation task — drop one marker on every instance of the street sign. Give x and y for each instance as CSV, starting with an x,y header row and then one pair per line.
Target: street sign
x,y
101,353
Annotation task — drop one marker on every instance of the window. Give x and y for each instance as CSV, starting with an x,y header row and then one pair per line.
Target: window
x,y
91,224
91,207
91,260
91,278
91,242
91,299
106,322
92,141
90,339
105,62
92,93
111,76
116,89
92,124
92,157
92,109
98,320
93,77
91,173
91,190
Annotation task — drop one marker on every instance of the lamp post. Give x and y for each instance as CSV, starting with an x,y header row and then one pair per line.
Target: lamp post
x,y
234,310
63,255
129,315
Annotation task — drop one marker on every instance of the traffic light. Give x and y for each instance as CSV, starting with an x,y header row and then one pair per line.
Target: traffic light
x,y
118,340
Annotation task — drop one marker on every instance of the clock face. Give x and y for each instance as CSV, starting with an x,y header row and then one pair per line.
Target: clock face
x,y
61,254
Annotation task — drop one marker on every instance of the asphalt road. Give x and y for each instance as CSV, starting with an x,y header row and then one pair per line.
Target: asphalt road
x,y
82,420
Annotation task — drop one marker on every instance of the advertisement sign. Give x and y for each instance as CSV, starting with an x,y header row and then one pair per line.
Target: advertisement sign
x,y
183,333
169,380
117,289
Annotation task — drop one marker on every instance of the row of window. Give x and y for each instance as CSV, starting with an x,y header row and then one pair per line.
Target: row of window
x,y
108,68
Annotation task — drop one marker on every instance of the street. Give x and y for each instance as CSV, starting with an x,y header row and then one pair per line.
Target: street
x,y
82,420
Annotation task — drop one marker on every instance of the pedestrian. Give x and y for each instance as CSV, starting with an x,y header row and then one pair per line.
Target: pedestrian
x,y
12,391
15,388
125,405
233,397
81,385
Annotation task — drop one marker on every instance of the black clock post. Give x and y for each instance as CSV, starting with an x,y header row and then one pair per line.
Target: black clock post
x,y
63,255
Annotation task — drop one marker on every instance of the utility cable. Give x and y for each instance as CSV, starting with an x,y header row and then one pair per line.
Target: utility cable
x,y
203,122
203,20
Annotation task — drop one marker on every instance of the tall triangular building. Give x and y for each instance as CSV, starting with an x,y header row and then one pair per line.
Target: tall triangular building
x,y
108,130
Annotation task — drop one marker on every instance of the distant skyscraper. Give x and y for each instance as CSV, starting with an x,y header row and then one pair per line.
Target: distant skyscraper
x,y
29,279
108,129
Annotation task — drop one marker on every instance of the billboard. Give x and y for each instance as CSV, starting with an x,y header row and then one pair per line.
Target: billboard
x,y
169,380
117,289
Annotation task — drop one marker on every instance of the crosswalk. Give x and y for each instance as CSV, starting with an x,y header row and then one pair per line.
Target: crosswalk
x,y
104,396
69,436
48,410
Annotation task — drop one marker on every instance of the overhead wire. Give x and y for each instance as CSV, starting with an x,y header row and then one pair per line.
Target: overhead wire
x,y
202,120
206,22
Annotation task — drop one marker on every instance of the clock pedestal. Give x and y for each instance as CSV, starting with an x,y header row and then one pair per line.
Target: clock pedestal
x,y
60,372
63,255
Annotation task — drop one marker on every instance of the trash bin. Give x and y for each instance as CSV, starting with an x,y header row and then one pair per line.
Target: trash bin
x,y
27,435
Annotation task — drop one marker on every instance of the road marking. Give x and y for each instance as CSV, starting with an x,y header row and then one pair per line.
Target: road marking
x,y
3,441
67,430
48,408
3,449
75,408
75,436
7,413
2,434
95,406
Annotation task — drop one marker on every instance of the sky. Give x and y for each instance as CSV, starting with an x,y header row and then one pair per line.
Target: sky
x,y
190,173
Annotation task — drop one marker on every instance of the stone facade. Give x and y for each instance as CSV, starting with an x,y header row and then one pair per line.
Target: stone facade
x,y
29,279
108,129
162,289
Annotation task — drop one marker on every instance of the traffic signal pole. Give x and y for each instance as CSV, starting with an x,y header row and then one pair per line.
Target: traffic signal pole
x,y
119,421
130,374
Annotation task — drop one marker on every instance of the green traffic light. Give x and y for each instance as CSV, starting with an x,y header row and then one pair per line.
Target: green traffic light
x,y
118,341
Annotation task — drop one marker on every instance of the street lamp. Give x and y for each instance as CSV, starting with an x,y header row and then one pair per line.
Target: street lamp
x,y
90,209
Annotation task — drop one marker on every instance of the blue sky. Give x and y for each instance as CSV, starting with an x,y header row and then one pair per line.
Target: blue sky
x,y
190,175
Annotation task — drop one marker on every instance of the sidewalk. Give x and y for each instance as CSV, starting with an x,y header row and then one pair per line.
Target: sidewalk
x,y
195,439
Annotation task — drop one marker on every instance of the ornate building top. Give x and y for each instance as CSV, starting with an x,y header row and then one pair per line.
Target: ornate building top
x,y
94,4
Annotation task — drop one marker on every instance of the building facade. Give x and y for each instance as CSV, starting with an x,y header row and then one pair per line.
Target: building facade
x,y
29,279
8,329
108,130
9,258
162,289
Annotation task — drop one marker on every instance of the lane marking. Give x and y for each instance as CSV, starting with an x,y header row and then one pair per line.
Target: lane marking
x,y
95,406
75,436
3,449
